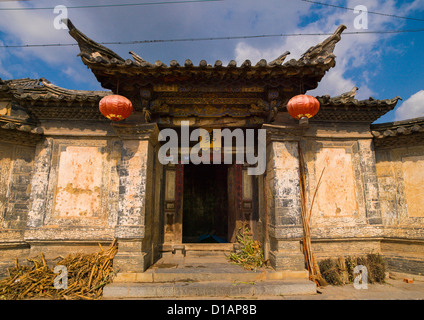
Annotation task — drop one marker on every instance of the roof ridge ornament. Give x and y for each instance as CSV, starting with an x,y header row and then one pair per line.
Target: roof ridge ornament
x,y
324,49
88,46
136,57
279,61
107,66
347,96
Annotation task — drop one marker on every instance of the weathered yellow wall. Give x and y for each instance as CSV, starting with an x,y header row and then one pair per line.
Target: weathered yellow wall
x,y
400,173
75,190
79,182
5,168
337,193
413,177
339,205
16,163
345,212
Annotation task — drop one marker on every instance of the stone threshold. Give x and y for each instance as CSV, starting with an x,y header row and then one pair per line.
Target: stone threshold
x,y
209,289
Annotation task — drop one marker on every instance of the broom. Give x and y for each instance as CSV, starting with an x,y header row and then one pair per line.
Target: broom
x,y
311,263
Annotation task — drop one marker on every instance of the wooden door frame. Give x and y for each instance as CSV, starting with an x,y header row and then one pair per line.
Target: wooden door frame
x,y
241,211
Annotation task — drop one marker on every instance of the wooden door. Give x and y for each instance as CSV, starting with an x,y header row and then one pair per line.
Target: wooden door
x,y
240,201
174,182
234,200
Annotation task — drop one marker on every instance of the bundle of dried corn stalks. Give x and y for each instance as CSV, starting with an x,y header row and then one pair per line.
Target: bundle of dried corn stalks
x,y
311,263
87,274
250,255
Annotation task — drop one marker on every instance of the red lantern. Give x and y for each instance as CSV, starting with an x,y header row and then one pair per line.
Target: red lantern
x,y
115,107
302,105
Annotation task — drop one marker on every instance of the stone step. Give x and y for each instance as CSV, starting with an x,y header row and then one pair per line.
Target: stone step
x,y
178,268
206,289
207,274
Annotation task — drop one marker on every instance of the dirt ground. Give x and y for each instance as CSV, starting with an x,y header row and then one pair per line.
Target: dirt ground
x,y
393,289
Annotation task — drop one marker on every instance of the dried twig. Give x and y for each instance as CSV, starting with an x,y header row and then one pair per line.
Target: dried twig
x,y
87,275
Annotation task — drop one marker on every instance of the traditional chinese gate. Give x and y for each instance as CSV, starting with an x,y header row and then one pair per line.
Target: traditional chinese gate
x,y
239,189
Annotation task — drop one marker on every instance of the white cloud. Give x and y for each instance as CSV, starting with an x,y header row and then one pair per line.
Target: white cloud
x,y
244,51
34,27
353,53
335,84
411,108
76,75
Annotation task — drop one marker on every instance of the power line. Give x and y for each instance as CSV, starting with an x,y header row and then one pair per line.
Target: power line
x,y
194,1
212,38
110,5
372,12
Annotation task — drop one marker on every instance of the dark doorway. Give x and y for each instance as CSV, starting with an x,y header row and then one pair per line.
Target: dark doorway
x,y
205,203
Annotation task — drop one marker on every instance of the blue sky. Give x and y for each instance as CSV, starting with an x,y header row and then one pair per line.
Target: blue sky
x,y
381,65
